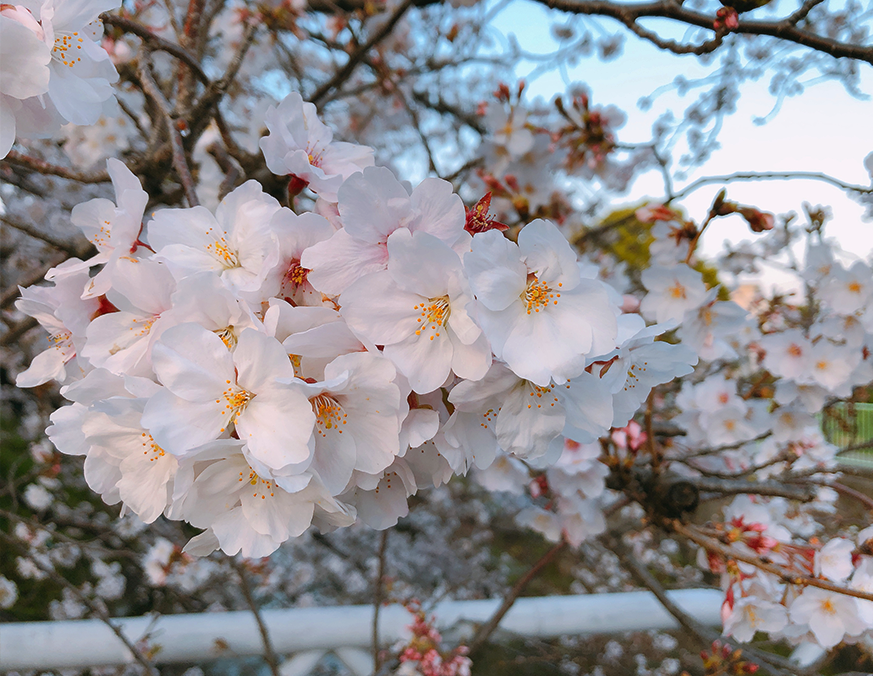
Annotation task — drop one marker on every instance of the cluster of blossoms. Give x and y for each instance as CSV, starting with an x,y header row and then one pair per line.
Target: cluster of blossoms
x,y
757,600
53,69
257,371
422,656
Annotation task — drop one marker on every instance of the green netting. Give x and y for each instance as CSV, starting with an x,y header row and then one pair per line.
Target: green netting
x,y
850,426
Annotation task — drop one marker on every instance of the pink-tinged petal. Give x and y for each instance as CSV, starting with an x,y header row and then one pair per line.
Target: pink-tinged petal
x,y
334,459
193,363
236,536
146,285
94,218
380,508
442,212
420,263
335,263
588,403
102,475
195,228
202,545
377,310
144,488
426,360
470,362
66,433
24,60
528,421
277,425
47,365
497,275
373,204
7,124
179,426
259,360
119,342
548,254
271,511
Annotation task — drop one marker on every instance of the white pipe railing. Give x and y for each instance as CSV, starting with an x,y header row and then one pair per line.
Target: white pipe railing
x,y
341,629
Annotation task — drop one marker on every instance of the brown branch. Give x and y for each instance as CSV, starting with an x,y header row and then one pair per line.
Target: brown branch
x,y
15,332
377,600
180,163
769,488
42,167
246,589
101,614
783,29
771,176
785,574
31,231
155,43
490,626
704,635
355,57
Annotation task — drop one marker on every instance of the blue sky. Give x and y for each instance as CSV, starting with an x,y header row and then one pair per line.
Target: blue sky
x,y
824,129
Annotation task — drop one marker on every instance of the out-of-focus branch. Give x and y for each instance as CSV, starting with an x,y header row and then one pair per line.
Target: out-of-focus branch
x,y
377,600
488,628
741,487
101,614
269,654
41,167
180,163
31,231
785,29
771,176
355,57
155,43
777,665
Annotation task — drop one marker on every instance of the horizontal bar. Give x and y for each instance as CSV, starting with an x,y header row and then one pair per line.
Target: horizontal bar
x,y
197,637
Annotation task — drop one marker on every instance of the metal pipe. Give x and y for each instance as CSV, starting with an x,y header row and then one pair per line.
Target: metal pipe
x,y
198,637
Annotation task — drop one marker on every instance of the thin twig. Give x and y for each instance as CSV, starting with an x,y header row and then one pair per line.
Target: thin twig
x,y
355,57
101,614
180,163
42,167
786,574
488,628
32,231
269,654
704,635
770,176
377,600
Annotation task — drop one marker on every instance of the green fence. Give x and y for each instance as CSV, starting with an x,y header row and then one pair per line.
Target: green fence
x,y
850,426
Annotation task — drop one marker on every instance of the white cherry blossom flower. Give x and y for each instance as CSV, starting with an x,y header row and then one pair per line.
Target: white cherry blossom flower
x,y
540,316
24,69
237,243
834,560
672,291
302,145
751,614
372,205
829,615
417,309
208,389
61,311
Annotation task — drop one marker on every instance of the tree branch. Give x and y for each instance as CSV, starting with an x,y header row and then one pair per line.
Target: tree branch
x,y
785,29
770,176
488,628
246,589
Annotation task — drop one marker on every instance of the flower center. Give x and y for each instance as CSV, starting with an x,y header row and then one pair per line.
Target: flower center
x,y
225,255
261,486
855,287
677,291
66,48
538,393
434,313
538,294
235,402
795,350
228,337
148,443
329,414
